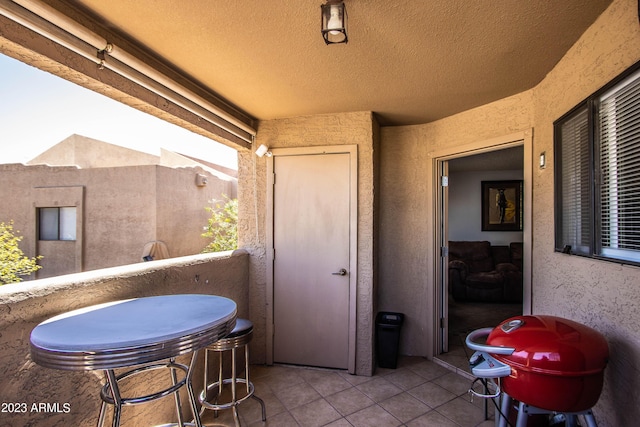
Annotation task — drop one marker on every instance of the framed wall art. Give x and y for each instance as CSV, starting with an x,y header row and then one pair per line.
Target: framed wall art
x,y
501,205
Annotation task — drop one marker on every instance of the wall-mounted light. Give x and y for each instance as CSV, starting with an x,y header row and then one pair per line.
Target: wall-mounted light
x,y
334,22
201,180
543,160
263,150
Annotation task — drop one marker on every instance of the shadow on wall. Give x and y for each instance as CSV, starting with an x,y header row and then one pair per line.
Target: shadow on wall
x,y
623,358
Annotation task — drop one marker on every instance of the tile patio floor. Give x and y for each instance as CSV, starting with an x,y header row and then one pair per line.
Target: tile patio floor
x,y
419,393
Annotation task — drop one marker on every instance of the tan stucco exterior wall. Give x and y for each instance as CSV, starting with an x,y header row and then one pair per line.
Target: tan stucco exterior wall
x,y
406,210
180,207
357,128
119,209
24,305
600,294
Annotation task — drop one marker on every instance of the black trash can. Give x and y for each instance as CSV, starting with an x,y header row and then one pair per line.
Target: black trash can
x,y
388,338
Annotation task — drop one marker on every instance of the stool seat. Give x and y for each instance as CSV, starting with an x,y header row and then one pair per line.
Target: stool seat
x,y
243,326
240,336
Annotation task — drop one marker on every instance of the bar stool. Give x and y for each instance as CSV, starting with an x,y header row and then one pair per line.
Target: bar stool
x,y
240,336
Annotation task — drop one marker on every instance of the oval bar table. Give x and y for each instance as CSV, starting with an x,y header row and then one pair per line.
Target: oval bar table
x,y
136,333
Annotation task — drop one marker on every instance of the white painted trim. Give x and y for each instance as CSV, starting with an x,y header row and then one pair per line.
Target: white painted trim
x,y
525,139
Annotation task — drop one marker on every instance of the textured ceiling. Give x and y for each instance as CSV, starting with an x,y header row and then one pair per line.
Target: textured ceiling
x,y
411,61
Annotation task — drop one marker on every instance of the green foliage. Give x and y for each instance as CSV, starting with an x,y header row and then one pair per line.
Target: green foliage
x,y
13,262
222,226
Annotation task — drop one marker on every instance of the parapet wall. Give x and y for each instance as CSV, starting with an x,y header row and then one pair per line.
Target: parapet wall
x,y
34,396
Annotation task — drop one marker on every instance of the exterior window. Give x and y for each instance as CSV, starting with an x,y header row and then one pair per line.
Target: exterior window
x,y
597,170
57,223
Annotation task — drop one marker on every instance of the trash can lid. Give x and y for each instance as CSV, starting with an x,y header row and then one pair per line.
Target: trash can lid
x,y
390,318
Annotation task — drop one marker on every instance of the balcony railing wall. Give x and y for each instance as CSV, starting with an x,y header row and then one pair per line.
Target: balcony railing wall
x,y
35,396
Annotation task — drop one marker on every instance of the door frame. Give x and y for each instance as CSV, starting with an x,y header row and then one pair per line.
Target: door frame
x,y
352,150
437,272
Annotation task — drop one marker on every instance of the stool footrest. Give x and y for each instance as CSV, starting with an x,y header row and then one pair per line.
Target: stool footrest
x,y
219,406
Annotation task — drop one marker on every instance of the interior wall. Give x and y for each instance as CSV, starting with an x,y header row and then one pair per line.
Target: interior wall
x,y
465,206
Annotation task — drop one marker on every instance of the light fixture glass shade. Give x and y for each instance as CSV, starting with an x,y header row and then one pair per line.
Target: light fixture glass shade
x,y
334,22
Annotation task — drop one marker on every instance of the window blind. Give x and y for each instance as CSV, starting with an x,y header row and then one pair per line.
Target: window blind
x,y
597,171
574,189
619,163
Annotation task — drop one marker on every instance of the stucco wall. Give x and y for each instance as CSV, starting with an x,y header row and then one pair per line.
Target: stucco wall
x,y
181,213
120,209
406,235
24,305
332,129
600,294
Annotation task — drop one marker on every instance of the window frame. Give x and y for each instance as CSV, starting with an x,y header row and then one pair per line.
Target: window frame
x,y
594,247
60,219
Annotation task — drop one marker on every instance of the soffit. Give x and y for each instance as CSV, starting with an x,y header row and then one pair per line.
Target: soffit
x,y
411,62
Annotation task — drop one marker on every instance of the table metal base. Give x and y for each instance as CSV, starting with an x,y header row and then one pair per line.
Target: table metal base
x,y
110,392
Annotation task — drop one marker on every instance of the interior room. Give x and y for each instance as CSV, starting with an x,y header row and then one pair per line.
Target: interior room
x,y
466,313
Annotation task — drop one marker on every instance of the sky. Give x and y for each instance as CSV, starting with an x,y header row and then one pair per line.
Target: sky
x,y
39,110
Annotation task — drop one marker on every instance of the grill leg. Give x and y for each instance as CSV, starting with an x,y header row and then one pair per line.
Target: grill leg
x,y
501,418
571,420
590,419
523,414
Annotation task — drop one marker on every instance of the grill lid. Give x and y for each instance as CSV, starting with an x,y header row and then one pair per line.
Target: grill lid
x,y
551,345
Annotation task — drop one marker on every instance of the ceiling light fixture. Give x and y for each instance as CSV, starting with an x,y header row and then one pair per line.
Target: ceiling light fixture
x,y
334,22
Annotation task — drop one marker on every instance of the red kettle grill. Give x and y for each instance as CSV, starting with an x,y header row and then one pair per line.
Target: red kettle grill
x,y
547,362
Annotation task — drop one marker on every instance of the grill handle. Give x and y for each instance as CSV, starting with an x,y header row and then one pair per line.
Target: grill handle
x,y
494,349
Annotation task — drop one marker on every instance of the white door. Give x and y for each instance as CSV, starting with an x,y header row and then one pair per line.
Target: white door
x,y
311,261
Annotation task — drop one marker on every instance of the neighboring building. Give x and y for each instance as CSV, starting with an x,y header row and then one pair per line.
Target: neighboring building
x,y
86,204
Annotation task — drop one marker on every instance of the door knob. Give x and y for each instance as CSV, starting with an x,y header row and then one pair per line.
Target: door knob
x,y
341,272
